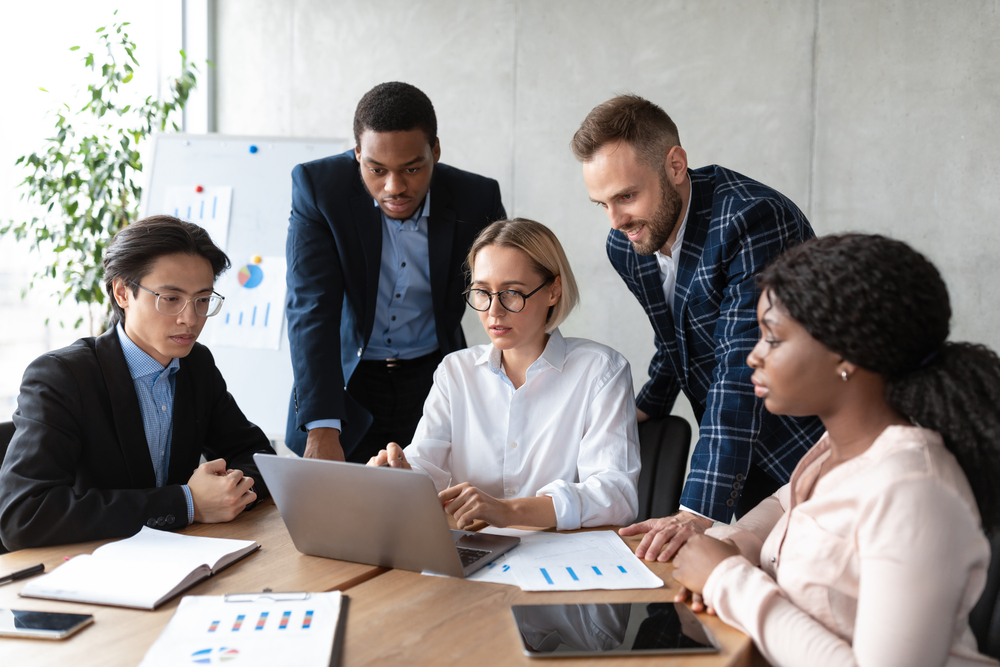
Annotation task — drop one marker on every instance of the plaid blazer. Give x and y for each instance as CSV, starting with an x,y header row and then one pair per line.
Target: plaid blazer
x,y
735,227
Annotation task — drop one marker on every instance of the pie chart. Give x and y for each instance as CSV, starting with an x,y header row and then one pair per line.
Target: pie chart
x,y
250,276
209,655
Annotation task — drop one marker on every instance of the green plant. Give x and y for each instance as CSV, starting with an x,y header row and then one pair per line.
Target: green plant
x,y
85,178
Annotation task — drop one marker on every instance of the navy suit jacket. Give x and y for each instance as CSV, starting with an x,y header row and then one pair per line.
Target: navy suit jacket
x,y
78,467
736,227
334,252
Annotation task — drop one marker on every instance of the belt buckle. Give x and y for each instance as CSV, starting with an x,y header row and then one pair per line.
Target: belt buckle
x,y
392,363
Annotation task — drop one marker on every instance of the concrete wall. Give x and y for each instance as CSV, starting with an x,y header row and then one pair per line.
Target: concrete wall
x,y
871,116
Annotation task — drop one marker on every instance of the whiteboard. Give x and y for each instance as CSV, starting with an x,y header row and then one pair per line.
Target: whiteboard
x,y
259,379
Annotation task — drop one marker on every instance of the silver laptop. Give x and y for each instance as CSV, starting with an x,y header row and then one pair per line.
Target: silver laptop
x,y
381,516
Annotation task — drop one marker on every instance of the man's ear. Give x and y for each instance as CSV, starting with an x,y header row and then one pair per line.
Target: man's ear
x,y
436,150
676,164
120,290
357,153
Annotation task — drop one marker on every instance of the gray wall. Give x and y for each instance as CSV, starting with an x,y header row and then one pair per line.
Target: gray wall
x,y
871,116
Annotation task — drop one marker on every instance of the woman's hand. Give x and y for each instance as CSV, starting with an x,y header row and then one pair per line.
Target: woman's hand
x,y
697,603
696,560
467,504
391,456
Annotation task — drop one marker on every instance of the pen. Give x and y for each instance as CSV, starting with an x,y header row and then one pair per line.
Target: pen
x,y
22,574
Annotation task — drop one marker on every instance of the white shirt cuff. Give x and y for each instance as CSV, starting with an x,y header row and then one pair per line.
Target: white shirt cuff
x,y
688,509
324,423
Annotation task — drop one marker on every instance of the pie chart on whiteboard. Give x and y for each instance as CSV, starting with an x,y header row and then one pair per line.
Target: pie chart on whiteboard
x,y
250,276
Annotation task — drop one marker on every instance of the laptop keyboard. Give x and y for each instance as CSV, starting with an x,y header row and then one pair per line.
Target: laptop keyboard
x,y
470,556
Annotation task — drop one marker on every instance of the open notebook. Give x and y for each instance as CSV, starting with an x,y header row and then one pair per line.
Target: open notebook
x,y
143,571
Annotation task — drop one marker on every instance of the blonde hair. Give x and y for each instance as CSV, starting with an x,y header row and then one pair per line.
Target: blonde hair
x,y
545,252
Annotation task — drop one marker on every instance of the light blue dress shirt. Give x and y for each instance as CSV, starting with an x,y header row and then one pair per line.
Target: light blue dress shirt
x,y
404,312
154,386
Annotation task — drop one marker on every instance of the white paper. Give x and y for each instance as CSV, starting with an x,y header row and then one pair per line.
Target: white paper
x,y
208,630
255,306
209,208
546,561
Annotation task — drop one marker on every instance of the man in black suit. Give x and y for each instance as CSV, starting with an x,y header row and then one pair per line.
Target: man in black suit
x,y
109,429
376,245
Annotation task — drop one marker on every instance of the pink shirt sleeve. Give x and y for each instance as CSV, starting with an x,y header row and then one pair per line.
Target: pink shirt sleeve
x,y
920,551
750,532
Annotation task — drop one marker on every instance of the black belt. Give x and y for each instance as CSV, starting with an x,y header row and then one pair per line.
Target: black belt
x,y
399,364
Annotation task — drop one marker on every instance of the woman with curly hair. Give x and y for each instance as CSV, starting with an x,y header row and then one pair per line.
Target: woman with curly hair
x,y
874,553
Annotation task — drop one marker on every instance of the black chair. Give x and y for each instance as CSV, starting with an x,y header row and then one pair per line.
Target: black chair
x,y
6,433
985,616
663,451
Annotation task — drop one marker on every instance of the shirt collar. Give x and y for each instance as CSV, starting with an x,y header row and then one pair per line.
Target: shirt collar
x,y
422,212
680,234
140,364
554,355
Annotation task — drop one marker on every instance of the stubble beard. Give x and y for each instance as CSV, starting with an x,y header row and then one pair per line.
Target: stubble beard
x,y
663,221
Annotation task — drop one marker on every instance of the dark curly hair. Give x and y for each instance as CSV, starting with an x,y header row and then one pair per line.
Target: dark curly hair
x,y
134,249
882,305
395,107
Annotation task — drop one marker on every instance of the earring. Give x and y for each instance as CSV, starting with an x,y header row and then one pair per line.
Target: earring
x,y
843,375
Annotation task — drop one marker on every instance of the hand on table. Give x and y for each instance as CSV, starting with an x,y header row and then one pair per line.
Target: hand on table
x,y
467,504
665,536
695,562
324,443
392,456
219,494
697,603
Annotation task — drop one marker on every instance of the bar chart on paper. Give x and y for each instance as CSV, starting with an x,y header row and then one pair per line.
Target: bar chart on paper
x,y
255,305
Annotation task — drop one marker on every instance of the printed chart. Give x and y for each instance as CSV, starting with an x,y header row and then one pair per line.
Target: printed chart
x,y
579,562
207,206
255,306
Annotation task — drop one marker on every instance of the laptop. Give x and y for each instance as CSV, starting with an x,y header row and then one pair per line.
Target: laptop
x,y
388,517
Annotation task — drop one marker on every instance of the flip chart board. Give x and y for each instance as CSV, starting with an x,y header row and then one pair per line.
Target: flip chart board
x,y
240,189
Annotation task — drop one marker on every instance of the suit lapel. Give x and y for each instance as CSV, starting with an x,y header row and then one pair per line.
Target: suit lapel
x,y
692,245
440,237
125,409
368,222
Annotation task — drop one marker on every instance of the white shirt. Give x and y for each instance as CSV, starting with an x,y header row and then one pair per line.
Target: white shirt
x,y
569,432
668,263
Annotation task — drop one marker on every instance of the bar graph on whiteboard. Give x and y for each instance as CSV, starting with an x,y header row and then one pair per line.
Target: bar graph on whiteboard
x,y
207,206
255,305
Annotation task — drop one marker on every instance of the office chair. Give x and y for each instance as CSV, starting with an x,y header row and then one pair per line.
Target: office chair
x,y
6,433
663,451
985,616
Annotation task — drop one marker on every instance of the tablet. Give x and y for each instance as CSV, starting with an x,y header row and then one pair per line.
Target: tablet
x,y
640,628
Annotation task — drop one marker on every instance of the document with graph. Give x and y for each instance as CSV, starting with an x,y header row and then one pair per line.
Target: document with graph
x,y
256,629
546,561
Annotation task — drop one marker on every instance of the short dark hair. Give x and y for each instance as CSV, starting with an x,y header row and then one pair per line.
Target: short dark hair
x,y
133,251
638,122
882,305
395,107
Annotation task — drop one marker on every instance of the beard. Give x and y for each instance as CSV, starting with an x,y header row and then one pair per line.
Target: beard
x,y
663,221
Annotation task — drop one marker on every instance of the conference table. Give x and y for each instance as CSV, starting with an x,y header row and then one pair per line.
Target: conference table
x,y
393,616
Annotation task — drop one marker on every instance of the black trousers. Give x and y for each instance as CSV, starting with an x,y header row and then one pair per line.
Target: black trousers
x,y
394,394
757,486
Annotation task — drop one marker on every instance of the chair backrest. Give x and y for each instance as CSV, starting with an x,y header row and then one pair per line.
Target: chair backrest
x,y
985,616
663,451
6,433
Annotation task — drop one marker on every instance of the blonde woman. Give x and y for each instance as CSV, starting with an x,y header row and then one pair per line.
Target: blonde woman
x,y
532,429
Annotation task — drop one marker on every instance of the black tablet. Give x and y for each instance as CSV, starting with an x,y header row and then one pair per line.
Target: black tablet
x,y
639,628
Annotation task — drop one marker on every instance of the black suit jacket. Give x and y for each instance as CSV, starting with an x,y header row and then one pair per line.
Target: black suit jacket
x,y
334,252
78,467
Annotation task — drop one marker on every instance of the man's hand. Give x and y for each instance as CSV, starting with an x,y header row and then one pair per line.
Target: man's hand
x,y
219,494
640,416
467,503
391,456
700,556
324,443
665,536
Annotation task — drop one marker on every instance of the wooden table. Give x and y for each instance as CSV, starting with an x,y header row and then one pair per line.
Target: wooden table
x,y
393,617
404,618
122,636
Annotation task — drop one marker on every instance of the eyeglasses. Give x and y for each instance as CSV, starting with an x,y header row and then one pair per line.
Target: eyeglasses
x,y
174,303
512,300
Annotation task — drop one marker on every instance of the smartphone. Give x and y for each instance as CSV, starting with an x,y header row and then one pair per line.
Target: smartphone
x,y
41,624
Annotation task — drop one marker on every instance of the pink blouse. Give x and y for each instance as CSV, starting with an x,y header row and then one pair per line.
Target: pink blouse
x,y
880,567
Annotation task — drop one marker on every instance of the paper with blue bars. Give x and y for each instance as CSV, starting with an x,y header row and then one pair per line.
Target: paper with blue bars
x,y
577,562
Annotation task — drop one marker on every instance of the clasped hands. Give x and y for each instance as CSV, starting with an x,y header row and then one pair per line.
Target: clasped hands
x,y
695,555
219,494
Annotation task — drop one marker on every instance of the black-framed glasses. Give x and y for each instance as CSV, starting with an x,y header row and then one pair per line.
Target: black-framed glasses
x,y
512,300
174,303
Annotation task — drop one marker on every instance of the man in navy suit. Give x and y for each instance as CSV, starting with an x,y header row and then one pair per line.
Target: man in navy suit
x,y
376,245
689,243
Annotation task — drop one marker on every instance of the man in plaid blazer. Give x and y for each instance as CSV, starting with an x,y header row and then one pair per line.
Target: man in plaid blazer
x,y
689,244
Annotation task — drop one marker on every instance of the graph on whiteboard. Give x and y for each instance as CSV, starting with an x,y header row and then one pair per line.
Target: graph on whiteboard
x,y
255,306
207,206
